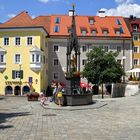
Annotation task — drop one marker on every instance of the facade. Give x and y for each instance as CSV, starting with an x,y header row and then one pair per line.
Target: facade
x,y
22,56
33,51
133,24
108,33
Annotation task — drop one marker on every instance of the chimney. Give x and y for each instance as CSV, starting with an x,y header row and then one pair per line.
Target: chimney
x,y
101,13
71,12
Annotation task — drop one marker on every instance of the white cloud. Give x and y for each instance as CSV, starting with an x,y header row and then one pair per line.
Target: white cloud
x,y
125,8
11,15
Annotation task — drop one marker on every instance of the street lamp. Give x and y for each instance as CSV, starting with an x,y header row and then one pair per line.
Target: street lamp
x,y
20,76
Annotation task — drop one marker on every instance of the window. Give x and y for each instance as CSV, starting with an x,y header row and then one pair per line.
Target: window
x,y
84,32
135,28
57,20
136,49
93,32
17,40
117,32
55,62
91,21
1,58
84,48
119,61
119,22
118,48
84,61
101,47
55,75
17,58
135,37
56,29
17,74
135,61
35,58
55,48
6,41
105,32
106,48
29,40
121,30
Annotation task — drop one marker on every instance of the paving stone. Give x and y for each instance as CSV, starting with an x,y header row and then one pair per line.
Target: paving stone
x,y
108,119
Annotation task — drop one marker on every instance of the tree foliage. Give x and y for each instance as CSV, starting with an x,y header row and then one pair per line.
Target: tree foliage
x,y
102,67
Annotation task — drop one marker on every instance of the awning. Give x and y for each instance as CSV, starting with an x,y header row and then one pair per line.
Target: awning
x,y
84,85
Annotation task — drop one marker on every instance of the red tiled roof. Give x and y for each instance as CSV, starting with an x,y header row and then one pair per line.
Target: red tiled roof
x,y
24,20
82,22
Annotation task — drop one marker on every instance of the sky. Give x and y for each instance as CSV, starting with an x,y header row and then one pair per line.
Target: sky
x,y
10,8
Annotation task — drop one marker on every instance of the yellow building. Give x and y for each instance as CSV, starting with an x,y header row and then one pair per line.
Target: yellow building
x,y
134,27
23,56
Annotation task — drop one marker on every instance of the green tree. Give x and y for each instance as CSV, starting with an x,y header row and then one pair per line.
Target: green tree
x,y
102,68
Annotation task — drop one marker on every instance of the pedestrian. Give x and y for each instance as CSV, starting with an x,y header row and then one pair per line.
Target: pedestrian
x,y
42,99
54,92
59,94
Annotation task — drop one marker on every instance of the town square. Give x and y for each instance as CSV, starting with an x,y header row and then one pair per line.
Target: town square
x,y
70,70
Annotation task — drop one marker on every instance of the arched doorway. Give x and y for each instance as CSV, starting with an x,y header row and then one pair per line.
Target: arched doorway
x,y
17,90
25,90
8,90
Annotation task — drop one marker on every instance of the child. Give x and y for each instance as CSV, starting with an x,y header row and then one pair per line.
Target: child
x,y
42,99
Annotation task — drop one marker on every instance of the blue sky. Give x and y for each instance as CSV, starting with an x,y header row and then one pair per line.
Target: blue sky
x,y
10,8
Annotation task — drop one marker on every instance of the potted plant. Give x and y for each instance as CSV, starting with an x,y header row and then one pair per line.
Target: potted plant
x,y
32,96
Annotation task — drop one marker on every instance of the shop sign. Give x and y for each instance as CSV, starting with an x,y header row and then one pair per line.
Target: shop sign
x,y
13,83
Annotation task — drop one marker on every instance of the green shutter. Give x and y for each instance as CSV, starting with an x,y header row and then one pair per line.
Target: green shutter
x,y
21,74
13,74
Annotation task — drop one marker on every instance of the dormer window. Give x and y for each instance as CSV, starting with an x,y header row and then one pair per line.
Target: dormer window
x,y
91,21
84,32
117,32
105,32
93,32
57,20
135,28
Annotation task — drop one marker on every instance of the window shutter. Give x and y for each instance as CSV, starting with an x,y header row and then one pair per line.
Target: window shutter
x,y
13,74
21,74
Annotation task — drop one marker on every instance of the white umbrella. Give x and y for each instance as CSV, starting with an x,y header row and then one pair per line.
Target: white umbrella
x,y
134,70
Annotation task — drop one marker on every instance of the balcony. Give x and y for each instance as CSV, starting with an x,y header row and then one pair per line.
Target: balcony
x,y
2,66
36,66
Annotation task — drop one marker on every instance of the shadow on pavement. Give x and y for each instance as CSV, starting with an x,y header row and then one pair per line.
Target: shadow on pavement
x,y
4,117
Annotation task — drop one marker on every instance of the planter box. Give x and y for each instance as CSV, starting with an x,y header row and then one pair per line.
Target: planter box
x,y
32,98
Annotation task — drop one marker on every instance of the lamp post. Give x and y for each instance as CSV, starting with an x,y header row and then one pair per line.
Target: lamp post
x,y
20,76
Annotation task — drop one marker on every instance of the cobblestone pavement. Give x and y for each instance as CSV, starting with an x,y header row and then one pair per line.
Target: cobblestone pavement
x,y
117,119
